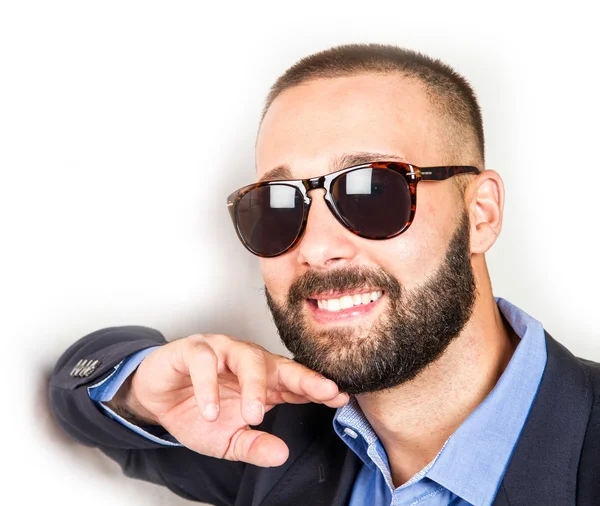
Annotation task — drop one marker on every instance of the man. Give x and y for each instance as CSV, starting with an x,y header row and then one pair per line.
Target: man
x,y
411,383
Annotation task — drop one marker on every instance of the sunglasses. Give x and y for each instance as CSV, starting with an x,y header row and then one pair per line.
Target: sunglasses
x,y
374,200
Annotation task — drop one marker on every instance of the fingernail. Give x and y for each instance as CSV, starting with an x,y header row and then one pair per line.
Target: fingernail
x,y
211,411
256,408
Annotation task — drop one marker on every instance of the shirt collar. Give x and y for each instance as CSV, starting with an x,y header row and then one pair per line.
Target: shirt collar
x,y
473,461
476,456
351,425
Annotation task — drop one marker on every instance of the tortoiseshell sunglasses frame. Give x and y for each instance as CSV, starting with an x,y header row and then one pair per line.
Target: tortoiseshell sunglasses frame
x,y
411,173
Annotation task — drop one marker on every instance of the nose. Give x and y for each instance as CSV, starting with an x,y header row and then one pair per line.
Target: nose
x,y
326,243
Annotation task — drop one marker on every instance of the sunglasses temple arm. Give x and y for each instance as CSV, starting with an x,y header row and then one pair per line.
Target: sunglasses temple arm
x,y
442,173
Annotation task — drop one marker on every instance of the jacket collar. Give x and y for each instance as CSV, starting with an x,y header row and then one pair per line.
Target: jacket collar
x,y
544,465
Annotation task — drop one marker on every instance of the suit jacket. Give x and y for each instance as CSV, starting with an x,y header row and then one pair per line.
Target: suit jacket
x,y
556,461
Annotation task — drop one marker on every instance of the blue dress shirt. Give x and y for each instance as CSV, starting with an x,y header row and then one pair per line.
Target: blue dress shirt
x,y
108,387
470,466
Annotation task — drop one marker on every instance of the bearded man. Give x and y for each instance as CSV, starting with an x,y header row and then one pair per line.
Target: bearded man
x,y
410,382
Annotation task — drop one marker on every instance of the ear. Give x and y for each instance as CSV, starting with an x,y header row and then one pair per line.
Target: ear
x,y
484,198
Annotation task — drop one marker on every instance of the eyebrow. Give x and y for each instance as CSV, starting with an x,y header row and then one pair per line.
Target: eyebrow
x,y
284,171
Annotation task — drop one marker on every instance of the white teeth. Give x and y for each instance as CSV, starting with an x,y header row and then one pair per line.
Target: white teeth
x,y
347,301
333,305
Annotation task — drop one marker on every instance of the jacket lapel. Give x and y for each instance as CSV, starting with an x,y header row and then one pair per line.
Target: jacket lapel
x,y
320,469
322,475
345,483
297,426
543,468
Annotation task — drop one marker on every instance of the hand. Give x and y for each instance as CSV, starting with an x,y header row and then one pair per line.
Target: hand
x,y
207,390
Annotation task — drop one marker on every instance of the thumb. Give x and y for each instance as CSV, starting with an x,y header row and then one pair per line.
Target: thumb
x,y
258,448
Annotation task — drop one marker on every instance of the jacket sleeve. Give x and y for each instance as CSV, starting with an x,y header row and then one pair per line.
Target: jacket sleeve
x,y
88,362
105,390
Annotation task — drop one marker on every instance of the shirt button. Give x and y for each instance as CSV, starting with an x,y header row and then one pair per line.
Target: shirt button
x,y
350,433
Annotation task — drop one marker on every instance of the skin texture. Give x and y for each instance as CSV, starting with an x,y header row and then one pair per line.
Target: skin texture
x,y
413,329
309,129
209,391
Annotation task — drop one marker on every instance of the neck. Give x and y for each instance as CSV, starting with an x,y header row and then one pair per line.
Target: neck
x,y
415,419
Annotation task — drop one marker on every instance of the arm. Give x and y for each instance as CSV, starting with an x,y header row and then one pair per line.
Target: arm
x,y
108,395
210,391
184,471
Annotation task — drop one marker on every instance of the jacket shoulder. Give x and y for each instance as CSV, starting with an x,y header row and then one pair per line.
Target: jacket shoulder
x,y
590,366
588,479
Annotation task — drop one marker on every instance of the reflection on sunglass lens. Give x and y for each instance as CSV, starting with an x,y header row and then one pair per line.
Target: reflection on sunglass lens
x,y
374,202
270,217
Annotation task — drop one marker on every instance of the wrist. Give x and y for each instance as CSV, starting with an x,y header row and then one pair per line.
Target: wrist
x,y
125,404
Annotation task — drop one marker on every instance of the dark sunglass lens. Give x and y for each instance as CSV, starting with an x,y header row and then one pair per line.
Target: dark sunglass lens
x,y
269,218
374,202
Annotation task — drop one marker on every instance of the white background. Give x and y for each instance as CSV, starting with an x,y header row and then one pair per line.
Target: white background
x,y
124,125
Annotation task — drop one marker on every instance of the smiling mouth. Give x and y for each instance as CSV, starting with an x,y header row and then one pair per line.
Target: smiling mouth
x,y
331,303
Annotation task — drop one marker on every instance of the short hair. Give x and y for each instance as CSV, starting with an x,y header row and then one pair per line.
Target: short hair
x,y
449,93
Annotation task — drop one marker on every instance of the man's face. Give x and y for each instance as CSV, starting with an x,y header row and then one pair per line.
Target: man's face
x,y
422,279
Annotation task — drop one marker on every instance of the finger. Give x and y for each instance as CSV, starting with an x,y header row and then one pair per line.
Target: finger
x,y
258,448
274,397
248,362
290,398
338,401
202,367
302,381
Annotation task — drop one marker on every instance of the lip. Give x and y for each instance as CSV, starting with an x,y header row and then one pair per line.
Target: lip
x,y
323,316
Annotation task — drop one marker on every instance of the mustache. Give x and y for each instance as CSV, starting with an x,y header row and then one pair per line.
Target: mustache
x,y
312,282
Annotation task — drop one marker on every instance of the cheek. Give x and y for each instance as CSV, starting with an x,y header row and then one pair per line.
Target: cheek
x,y
417,253
275,273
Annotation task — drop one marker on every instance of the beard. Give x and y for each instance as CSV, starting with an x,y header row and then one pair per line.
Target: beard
x,y
411,333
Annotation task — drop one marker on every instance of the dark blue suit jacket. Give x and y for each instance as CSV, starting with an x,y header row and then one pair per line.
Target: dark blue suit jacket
x,y
556,461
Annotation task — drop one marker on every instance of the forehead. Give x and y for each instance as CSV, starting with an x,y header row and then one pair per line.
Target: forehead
x,y
309,128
